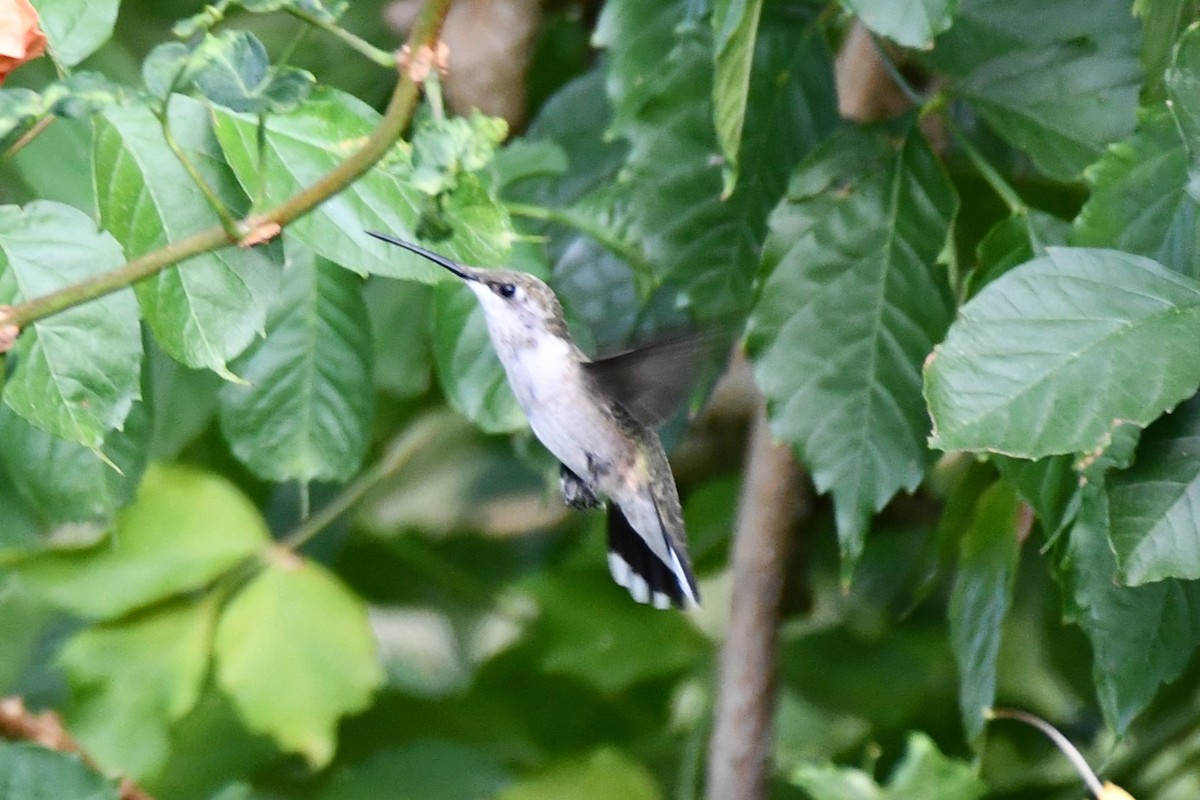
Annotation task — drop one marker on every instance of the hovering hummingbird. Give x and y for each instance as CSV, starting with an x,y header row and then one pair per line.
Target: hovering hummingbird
x,y
598,419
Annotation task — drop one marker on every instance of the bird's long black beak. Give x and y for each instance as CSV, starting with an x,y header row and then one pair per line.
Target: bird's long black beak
x,y
453,266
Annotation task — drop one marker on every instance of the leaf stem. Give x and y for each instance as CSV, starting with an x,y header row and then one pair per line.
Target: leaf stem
x,y
358,44
1000,186
1062,742
401,451
397,116
228,221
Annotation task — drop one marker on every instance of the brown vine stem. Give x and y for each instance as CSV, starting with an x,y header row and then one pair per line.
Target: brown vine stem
x,y
424,35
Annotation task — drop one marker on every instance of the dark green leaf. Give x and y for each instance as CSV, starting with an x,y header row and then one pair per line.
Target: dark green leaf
x,y
1057,80
76,28
854,302
428,770
31,772
77,371
924,774
1152,505
295,631
1013,241
133,679
207,309
911,23
163,68
304,145
980,600
735,27
1142,636
1000,381
66,483
1139,201
1050,485
185,528
400,313
306,411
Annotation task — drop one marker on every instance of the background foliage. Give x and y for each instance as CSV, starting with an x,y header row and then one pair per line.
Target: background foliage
x,y
975,322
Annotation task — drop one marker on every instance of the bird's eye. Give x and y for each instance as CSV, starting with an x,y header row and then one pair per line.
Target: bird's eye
x,y
505,290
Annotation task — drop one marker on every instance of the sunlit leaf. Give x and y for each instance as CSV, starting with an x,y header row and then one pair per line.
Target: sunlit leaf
x,y
604,773
76,28
1069,330
911,23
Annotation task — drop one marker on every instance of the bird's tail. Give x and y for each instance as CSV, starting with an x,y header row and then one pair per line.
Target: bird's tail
x,y
639,569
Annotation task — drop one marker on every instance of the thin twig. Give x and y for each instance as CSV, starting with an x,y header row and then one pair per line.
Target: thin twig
x,y
399,111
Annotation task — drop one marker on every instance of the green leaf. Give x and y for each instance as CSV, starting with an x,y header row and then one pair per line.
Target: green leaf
x,y
1141,636
19,110
923,774
65,482
207,309
133,679
707,247
400,313
77,371
981,598
735,26
305,413
295,653
421,770
185,528
23,622
1049,485
468,369
605,773
1162,22
1069,330
1152,504
31,772
911,23
853,303
232,69
162,70
1139,201
1057,80
1183,92
301,147
76,28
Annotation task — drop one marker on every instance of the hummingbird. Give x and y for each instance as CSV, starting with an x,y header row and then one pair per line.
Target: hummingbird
x,y
598,418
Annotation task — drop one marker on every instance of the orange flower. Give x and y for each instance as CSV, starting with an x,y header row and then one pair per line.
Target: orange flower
x,y
21,39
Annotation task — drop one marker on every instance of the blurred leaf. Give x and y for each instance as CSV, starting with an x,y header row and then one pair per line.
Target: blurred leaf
x,y
605,773
22,624
19,110
305,413
31,772
296,634
1141,636
400,312
468,369
207,309
924,774
853,303
185,528
1152,504
980,600
133,679
445,148
81,95
232,69
162,70
76,28
1050,485
77,371
999,382
589,634
1162,22
302,146
1139,201
911,23
66,482
184,402
57,165
422,770
1057,80
735,26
